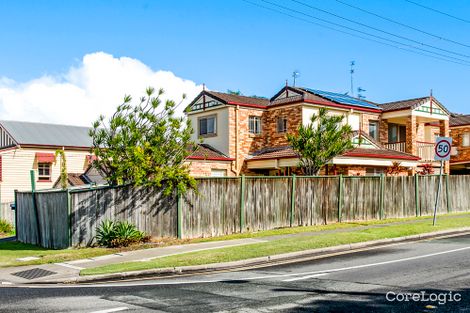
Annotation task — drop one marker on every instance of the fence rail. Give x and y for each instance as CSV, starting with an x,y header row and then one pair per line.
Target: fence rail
x,y
223,206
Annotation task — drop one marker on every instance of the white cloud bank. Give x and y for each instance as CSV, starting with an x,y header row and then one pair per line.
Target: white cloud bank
x,y
95,87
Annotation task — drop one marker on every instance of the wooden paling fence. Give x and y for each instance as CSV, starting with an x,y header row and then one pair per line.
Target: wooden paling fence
x,y
221,206
6,213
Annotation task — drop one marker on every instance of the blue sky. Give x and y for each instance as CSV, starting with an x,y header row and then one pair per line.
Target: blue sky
x,y
235,45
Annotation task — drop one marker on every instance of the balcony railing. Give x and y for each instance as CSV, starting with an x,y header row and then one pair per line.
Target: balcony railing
x,y
426,151
397,146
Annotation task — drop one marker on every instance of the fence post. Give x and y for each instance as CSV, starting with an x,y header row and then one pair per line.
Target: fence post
x,y
292,203
179,216
340,197
449,209
381,196
16,213
242,203
418,211
69,210
35,207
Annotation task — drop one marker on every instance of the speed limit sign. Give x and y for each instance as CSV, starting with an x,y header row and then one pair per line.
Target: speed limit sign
x,y
443,148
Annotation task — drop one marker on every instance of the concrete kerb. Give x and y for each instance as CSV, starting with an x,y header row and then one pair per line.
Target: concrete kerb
x,y
260,261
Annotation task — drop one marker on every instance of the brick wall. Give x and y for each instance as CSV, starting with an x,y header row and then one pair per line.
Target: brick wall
x,y
241,141
364,121
383,131
463,152
411,131
203,168
294,120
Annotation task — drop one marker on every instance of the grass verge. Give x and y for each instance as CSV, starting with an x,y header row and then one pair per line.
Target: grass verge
x,y
289,244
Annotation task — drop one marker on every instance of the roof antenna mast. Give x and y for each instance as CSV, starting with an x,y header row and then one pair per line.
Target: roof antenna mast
x,y
295,74
351,71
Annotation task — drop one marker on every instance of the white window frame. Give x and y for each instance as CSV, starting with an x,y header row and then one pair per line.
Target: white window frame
x,y
44,171
466,139
254,125
376,123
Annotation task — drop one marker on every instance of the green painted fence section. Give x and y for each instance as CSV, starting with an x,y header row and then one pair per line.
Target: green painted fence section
x,y
223,206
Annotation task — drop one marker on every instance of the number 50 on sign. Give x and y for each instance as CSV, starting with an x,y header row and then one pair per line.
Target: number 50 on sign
x,y
443,148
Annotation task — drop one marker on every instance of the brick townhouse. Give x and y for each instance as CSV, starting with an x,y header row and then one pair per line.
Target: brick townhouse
x,y
460,133
247,135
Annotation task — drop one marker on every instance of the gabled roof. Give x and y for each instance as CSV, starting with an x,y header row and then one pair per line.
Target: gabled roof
x,y
274,153
327,98
90,177
228,98
207,152
287,152
41,134
409,104
459,120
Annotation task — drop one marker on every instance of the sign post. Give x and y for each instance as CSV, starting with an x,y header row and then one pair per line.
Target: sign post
x,y
442,153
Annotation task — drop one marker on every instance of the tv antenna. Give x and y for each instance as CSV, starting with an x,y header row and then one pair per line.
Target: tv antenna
x,y
351,71
295,74
359,94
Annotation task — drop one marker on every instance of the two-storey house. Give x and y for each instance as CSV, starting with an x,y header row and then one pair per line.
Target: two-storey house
x,y
460,133
248,134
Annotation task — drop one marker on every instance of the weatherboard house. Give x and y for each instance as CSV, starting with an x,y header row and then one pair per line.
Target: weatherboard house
x,y
26,146
247,135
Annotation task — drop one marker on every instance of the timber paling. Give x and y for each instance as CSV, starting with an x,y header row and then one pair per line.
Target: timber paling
x,y
230,205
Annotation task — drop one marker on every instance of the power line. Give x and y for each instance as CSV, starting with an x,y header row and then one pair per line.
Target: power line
x,y
403,24
440,12
352,34
447,57
380,30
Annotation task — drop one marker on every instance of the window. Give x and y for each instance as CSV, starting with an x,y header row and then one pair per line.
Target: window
x,y
281,124
396,133
254,124
44,171
466,140
374,129
207,126
218,173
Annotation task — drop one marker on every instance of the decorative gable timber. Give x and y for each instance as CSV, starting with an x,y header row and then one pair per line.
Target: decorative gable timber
x,y
204,101
363,141
6,140
286,93
433,108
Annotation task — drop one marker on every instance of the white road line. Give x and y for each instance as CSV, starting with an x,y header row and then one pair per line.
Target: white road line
x,y
70,266
313,274
305,277
6,283
123,308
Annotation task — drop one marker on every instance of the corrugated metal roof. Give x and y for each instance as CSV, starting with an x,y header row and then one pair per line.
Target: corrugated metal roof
x,y
29,133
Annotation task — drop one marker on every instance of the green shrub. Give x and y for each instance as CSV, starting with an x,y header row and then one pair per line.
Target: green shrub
x,y
118,234
5,227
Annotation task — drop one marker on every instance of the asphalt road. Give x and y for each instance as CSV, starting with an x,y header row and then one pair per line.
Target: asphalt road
x,y
356,282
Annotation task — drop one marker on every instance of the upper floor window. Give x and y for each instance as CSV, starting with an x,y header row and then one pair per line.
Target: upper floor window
x,y
44,171
374,129
466,140
208,126
281,125
254,124
396,133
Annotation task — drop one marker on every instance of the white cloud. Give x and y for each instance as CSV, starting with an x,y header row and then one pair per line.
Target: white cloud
x,y
95,87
